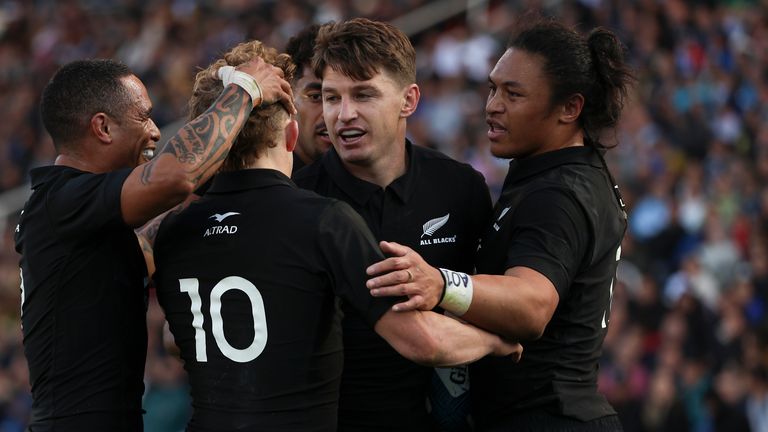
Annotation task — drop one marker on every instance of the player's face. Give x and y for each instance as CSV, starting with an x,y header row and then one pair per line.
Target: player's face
x,y
363,117
518,110
135,134
313,135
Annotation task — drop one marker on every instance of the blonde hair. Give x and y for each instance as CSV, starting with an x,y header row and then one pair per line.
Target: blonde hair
x,y
264,124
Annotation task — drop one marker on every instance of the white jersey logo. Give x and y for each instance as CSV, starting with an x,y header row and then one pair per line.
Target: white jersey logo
x,y
221,229
433,225
503,212
221,217
18,225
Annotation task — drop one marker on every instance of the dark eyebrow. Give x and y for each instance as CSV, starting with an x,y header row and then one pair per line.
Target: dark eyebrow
x,y
314,85
511,83
356,88
362,87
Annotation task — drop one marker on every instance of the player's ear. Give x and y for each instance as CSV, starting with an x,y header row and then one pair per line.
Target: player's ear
x,y
291,134
571,109
101,127
410,100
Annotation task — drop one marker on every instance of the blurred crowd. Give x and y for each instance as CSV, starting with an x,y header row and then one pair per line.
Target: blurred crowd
x,y
687,347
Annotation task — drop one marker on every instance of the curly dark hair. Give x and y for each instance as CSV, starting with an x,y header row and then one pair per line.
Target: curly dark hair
x,y
79,90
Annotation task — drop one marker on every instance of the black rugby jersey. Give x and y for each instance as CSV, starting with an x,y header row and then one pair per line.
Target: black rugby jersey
x,y
439,208
83,303
248,277
558,215
297,164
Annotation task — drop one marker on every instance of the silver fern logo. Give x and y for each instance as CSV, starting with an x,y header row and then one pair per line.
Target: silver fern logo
x,y
431,228
503,212
433,225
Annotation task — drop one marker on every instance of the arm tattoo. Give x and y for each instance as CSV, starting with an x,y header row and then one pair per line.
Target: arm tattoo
x,y
204,143
146,173
148,232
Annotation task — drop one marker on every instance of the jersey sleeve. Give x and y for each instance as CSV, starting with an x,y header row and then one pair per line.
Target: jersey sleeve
x,y
87,203
550,234
348,248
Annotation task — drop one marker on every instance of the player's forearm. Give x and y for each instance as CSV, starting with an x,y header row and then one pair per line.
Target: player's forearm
x,y
147,233
458,343
511,306
198,149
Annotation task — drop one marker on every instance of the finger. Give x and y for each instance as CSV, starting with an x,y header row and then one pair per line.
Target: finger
x,y
412,304
394,249
518,353
387,265
387,291
386,280
391,279
286,86
284,96
287,100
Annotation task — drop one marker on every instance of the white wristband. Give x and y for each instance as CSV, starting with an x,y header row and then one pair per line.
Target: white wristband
x,y
458,292
229,75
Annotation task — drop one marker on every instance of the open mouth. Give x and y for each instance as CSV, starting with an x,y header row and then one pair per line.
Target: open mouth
x,y
495,130
350,135
148,153
322,133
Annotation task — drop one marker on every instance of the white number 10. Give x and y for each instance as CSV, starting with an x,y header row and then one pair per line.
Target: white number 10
x,y
191,287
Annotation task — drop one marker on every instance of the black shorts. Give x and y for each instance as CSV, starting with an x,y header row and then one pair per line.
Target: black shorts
x,y
541,421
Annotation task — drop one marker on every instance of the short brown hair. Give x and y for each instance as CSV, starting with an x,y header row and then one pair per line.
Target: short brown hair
x,y
361,48
264,124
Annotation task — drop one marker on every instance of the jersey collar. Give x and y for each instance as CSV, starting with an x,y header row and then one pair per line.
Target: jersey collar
x,y
43,174
232,181
360,190
520,169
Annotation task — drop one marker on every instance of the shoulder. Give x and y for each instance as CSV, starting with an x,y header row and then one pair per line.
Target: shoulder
x,y
337,213
77,184
437,163
309,175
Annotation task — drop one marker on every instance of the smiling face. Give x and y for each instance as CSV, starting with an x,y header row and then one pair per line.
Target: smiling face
x,y
366,119
522,121
135,135
313,135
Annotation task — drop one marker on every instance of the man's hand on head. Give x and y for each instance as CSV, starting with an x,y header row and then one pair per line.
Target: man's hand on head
x,y
271,80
